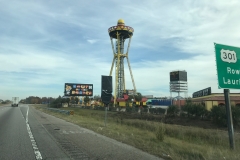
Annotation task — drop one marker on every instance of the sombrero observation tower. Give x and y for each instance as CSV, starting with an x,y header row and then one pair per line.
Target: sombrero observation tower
x,y
120,33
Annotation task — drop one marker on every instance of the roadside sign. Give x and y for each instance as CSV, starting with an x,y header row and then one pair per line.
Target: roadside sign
x,y
228,66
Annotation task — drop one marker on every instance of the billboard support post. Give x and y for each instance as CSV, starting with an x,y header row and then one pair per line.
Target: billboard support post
x,y
105,121
179,106
229,119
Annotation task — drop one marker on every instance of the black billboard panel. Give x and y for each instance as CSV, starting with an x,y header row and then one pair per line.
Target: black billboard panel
x,y
107,83
203,92
73,89
106,94
174,76
178,76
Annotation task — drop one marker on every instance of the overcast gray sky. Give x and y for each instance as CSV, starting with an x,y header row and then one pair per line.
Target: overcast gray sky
x,y
44,44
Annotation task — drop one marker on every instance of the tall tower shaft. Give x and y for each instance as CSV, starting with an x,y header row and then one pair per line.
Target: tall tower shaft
x,y
120,33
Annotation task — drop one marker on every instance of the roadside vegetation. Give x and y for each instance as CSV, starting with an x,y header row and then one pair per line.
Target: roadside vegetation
x,y
216,115
152,133
5,102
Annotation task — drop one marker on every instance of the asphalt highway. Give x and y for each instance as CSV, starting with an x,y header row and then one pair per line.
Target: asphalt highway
x,y
28,134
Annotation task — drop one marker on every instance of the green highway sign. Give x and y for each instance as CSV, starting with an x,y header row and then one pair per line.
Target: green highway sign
x,y
228,66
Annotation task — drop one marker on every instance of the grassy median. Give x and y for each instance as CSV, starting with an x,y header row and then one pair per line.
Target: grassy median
x,y
163,140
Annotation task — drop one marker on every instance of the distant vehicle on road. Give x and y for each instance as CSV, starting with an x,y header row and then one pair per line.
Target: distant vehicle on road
x,y
15,101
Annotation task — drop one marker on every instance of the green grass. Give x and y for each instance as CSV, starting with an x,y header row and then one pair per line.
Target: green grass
x,y
179,142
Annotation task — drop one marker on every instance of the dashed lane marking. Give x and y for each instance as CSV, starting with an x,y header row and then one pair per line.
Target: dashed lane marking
x,y
34,144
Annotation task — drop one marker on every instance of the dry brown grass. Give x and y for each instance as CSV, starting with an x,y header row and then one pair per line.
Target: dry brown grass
x,y
179,142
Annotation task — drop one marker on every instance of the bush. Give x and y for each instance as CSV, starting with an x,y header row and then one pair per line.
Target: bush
x,y
128,109
195,110
157,110
172,110
199,111
235,115
55,105
219,116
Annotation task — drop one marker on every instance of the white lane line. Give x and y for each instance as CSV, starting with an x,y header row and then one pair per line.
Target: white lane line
x,y
34,144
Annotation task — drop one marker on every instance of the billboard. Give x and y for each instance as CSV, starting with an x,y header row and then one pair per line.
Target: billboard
x,y
164,102
106,90
178,76
73,89
201,93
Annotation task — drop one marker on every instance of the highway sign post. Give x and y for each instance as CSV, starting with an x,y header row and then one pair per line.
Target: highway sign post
x,y
229,119
228,71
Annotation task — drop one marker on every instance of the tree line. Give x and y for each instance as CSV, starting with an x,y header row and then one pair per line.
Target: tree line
x,y
217,114
57,103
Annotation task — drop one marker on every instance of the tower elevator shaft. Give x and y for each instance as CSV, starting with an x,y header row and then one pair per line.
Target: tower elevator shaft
x,y
119,70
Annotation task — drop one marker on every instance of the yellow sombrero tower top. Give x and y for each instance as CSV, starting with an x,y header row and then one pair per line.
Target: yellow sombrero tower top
x,y
125,31
121,22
